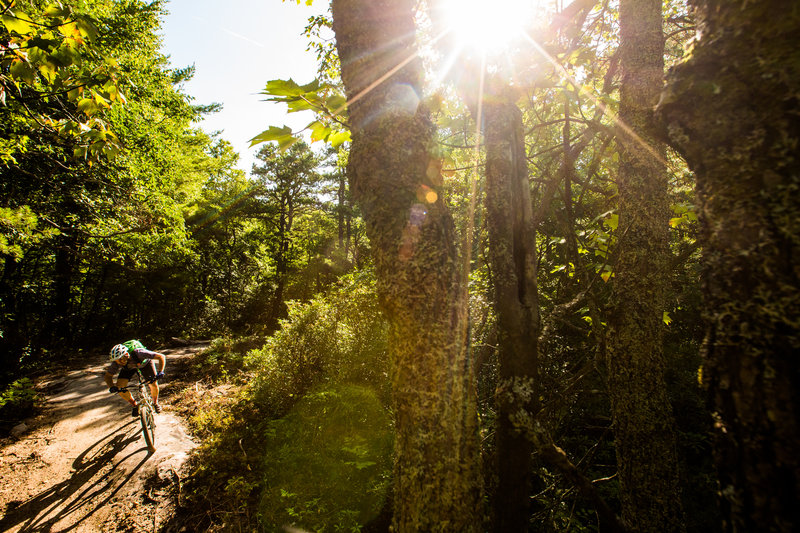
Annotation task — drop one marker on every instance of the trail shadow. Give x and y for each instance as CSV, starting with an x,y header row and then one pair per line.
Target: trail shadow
x,y
81,490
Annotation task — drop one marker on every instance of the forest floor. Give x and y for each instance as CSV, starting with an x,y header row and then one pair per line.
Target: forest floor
x,y
82,464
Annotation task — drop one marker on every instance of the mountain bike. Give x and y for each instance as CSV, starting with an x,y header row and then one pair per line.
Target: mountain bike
x,y
144,400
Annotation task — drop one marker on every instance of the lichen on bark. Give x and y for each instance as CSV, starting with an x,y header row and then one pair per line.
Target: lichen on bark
x,y
437,466
643,423
733,111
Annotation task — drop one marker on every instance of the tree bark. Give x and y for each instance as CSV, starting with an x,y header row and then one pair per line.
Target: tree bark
x,y
644,428
512,252
732,109
437,465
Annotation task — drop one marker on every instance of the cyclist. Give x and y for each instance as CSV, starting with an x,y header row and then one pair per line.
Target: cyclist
x,y
125,362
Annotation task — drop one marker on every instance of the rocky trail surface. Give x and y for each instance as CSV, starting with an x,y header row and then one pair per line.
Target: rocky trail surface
x,y
82,464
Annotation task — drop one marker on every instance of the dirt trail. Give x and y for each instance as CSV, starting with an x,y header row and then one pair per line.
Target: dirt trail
x,y
84,466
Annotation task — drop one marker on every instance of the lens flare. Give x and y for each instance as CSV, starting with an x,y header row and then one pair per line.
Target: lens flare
x,y
488,26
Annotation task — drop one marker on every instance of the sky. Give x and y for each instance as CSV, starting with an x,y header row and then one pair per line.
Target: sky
x,y
237,46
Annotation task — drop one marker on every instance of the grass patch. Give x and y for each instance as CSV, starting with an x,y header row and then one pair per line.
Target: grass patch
x,y
327,463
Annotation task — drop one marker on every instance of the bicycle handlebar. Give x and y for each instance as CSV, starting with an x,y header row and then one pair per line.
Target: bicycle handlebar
x,y
136,385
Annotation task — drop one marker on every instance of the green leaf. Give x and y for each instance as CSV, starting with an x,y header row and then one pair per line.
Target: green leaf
x,y
283,136
666,318
57,10
319,131
612,221
87,28
607,273
282,88
21,70
88,106
48,71
18,22
311,87
66,54
300,104
336,103
339,137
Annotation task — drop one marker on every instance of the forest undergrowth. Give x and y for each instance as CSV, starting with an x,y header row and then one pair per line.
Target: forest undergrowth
x,y
296,428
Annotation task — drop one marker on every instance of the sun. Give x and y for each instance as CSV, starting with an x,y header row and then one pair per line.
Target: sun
x,y
487,26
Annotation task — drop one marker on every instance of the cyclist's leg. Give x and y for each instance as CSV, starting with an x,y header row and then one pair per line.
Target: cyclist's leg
x,y
154,391
122,381
126,395
149,372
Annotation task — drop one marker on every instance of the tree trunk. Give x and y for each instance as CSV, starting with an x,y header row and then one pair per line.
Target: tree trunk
x,y
512,252
281,264
437,465
644,428
340,207
732,109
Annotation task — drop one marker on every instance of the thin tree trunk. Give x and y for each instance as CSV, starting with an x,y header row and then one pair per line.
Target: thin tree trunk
x,y
512,252
437,465
733,111
644,428
340,211
281,266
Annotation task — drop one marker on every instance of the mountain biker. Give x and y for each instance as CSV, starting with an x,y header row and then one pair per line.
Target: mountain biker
x,y
124,361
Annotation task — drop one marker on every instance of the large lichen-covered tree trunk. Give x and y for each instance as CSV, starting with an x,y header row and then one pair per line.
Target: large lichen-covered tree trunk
x,y
394,176
512,252
643,422
733,110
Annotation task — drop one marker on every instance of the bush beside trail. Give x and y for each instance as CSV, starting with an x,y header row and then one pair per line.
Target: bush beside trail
x,y
315,393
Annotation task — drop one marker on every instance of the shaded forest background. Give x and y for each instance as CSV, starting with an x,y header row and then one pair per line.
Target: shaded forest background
x,y
342,264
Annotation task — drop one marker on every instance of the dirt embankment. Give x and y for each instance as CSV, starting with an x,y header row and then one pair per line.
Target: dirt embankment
x,y
82,465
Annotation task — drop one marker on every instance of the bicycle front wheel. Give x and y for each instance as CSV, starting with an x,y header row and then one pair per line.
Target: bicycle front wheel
x,y
147,419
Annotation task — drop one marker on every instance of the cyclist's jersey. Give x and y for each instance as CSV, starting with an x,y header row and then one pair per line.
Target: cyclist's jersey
x,y
138,358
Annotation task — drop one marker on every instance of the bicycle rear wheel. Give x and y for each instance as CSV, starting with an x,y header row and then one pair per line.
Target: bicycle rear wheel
x,y
147,419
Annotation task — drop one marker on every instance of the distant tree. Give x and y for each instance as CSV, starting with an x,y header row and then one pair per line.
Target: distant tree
x,y
420,284
228,252
732,109
287,184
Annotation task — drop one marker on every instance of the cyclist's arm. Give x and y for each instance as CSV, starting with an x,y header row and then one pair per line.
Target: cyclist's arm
x,y
149,354
162,361
109,379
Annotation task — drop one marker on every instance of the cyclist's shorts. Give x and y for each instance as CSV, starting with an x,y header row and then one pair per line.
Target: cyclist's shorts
x,y
148,371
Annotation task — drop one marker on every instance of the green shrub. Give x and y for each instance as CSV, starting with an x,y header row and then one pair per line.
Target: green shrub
x,y
339,338
18,400
224,357
273,453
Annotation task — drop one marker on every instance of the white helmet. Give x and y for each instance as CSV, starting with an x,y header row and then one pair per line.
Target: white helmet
x,y
118,351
